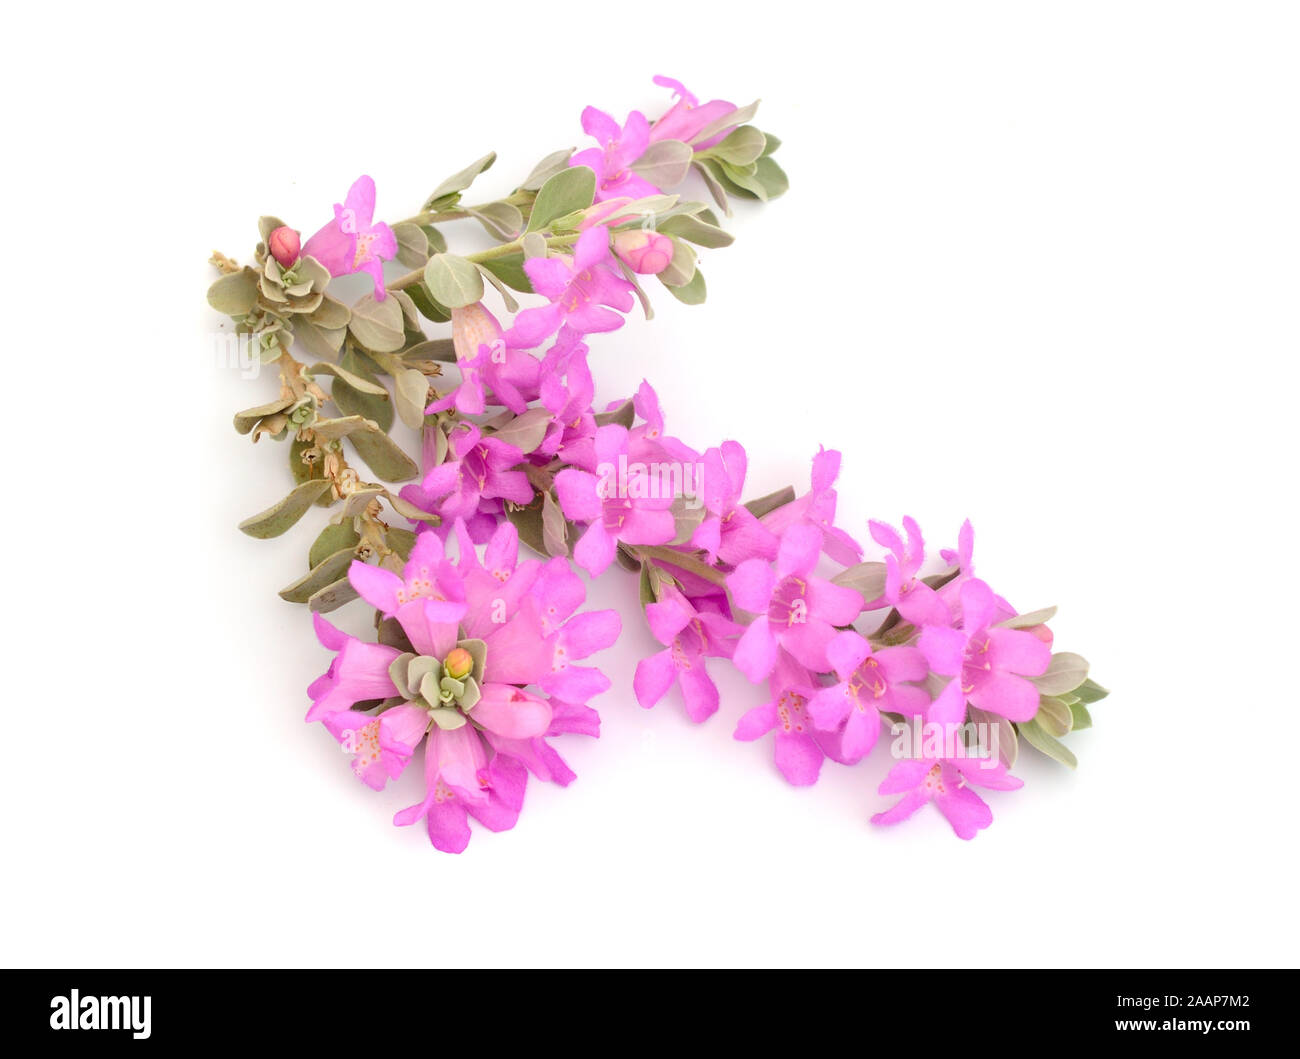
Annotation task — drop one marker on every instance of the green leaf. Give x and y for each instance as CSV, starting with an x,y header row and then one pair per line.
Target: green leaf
x,y
280,516
1065,673
764,504
692,293
1046,744
555,162
353,402
739,116
708,169
525,431
332,596
555,530
1090,691
437,241
410,511
384,456
332,538
234,294
528,521
696,231
357,382
568,191
499,219
741,147
664,163
624,415
745,178
1028,621
411,393
1054,716
453,281
400,540
865,578
428,308
324,573
249,417
772,177
412,244
681,270
378,325
462,180
510,271
1081,717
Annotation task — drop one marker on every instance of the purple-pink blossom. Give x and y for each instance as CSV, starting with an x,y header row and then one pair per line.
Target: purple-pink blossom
x,y
352,241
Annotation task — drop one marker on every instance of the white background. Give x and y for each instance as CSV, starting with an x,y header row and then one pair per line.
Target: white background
x,y
1038,267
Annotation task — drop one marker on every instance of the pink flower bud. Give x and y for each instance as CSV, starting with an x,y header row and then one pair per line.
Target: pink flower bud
x,y
459,664
646,252
285,245
1041,632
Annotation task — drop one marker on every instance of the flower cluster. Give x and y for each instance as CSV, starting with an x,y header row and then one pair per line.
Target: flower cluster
x,y
476,657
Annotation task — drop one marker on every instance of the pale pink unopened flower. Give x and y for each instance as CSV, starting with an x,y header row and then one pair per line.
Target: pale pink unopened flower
x,y
285,245
646,252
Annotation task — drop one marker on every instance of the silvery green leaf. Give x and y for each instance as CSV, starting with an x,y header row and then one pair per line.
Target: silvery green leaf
x,y
478,651
326,572
378,325
510,271
512,306
353,402
696,231
471,694
331,597
742,146
357,382
356,502
739,116
384,456
391,634
1090,691
764,504
555,530
332,538
1082,718
463,179
527,520
420,669
681,270
249,417
280,516
428,308
440,349
399,669
693,292
447,718
569,190
1046,744
411,393
553,163
525,431
664,163
409,311
400,540
333,429
624,415
1065,673
313,273
773,142
306,472
409,511
499,219
317,340
771,177
1028,621
707,168
234,294
534,245
412,244
1008,741
453,281
745,178
1054,716
331,314
866,578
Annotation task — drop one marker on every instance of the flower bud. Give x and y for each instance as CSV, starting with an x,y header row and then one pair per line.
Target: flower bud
x,y
459,664
285,245
646,252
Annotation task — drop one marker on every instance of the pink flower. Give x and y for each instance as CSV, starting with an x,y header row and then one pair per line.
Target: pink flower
x,y
799,748
351,242
285,245
990,663
645,252
479,468
869,682
946,780
689,636
916,601
796,609
618,150
618,505
817,508
688,116
486,678
486,361
730,532
583,292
